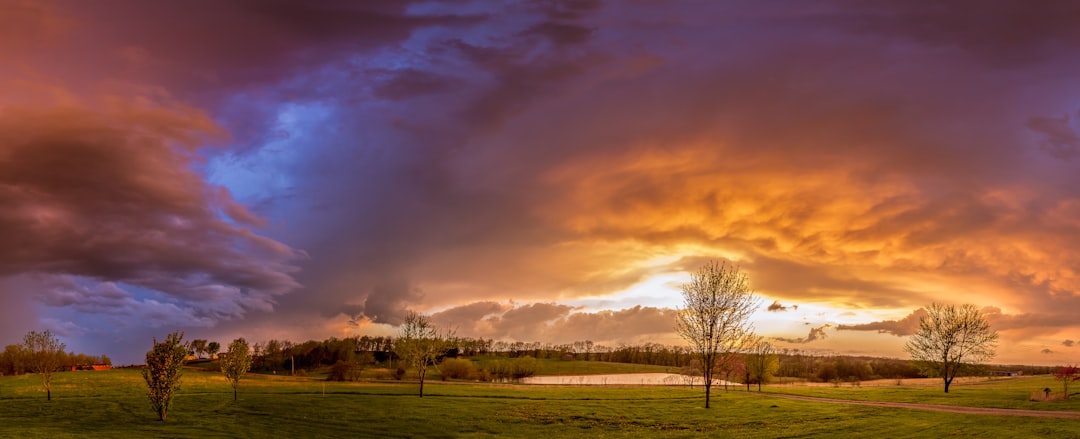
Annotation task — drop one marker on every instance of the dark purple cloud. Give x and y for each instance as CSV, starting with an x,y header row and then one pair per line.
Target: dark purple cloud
x,y
900,328
549,322
112,197
815,334
427,155
1058,137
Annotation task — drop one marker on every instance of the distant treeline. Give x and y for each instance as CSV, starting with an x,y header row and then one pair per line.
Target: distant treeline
x,y
283,355
15,360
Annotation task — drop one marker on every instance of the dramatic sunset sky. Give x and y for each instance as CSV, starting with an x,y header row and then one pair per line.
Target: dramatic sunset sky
x,y
537,170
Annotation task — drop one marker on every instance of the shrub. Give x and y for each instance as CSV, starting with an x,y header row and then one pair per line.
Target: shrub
x,y
341,371
499,370
457,369
399,373
354,373
482,375
523,367
516,369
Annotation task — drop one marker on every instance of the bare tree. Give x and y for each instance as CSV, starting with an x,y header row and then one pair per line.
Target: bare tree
x,y
236,363
1065,374
950,340
691,372
419,344
761,362
164,366
715,316
45,355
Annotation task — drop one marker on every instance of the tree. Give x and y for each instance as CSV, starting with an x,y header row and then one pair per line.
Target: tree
x,y
212,348
198,347
951,340
236,363
1066,374
690,372
761,363
44,354
13,360
419,344
715,316
164,367
729,367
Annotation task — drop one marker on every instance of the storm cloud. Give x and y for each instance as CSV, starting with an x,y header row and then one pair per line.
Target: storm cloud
x,y
900,328
817,333
535,170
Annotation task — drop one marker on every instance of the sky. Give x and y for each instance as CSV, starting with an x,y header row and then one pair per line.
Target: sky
x,y
537,170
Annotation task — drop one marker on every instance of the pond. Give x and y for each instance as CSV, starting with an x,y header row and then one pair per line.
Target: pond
x,y
620,379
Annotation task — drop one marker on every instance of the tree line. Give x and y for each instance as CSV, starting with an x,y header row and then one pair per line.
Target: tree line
x,y
17,359
284,356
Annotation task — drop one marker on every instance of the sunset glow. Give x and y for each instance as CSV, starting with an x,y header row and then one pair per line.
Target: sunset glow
x,y
536,171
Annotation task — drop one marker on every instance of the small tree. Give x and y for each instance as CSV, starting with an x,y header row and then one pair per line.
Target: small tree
x,y
715,316
164,366
691,371
236,363
1067,374
45,355
730,366
761,363
212,348
419,344
198,347
951,340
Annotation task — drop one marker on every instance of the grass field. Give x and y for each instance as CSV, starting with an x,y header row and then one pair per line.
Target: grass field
x,y
1011,393
113,404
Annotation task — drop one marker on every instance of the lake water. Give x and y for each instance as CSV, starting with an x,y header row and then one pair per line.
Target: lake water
x,y
619,379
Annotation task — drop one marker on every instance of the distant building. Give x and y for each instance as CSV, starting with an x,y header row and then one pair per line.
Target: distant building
x,y
91,367
1006,373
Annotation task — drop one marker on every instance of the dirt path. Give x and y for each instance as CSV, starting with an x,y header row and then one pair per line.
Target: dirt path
x,y
938,407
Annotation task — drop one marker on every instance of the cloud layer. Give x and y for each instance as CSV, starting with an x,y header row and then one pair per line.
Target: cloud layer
x,y
538,169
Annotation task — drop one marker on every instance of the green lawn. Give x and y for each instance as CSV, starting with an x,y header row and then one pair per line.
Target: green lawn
x,y
545,366
1012,393
113,404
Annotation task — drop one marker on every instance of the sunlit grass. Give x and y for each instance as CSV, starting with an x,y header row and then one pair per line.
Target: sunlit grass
x,y
113,404
1012,393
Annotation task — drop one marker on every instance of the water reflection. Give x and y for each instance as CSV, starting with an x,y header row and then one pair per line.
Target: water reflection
x,y
621,379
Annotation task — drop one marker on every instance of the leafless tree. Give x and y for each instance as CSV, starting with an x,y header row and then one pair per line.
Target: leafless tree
x,y
1065,374
45,353
420,343
715,316
761,362
951,339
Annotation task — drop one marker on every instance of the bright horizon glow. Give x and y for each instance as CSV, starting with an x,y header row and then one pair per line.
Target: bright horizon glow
x,y
536,172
